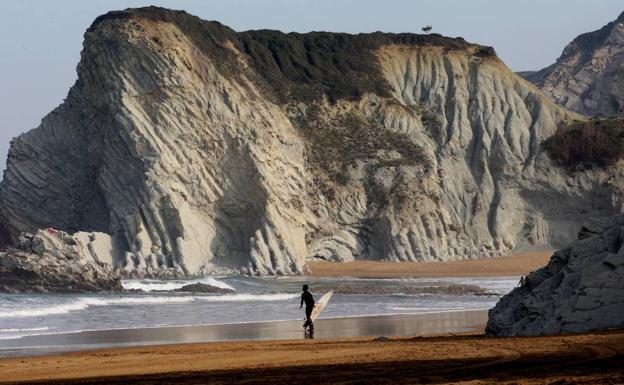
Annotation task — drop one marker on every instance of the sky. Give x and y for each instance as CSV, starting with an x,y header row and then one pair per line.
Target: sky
x,y
40,40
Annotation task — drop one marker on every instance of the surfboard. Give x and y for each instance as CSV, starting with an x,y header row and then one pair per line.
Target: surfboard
x,y
320,305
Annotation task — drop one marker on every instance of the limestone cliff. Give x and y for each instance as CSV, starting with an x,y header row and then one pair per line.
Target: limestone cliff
x,y
581,288
588,77
199,147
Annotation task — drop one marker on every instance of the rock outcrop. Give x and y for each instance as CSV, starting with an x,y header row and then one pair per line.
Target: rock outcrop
x,y
203,288
201,148
581,288
588,77
55,261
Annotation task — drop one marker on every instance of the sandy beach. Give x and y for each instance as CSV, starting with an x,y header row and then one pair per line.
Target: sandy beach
x,y
593,358
518,264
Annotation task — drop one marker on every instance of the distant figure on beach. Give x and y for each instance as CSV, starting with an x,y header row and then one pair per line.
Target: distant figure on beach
x,y
306,297
522,282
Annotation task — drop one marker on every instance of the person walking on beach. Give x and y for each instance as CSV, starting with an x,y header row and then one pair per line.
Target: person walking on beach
x,y
306,297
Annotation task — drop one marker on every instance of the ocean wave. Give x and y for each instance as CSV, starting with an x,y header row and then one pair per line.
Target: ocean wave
x,y
431,309
249,297
84,303
9,330
170,285
15,333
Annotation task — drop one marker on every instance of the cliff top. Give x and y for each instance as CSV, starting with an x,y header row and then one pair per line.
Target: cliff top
x,y
299,65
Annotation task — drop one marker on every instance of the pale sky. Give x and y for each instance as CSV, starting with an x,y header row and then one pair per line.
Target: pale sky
x,y
40,41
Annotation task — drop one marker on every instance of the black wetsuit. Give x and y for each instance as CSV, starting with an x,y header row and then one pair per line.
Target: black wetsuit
x,y
309,302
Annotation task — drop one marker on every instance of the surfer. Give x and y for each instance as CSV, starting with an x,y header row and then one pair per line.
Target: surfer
x,y
306,297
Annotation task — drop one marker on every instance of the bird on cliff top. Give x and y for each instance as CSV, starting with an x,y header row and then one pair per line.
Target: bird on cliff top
x,y
427,28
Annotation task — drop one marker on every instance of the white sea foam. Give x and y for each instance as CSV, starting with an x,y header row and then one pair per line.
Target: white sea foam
x,y
9,330
84,303
170,285
249,297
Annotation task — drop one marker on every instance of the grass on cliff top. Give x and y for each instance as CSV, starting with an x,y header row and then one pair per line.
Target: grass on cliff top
x,y
598,142
294,66
338,65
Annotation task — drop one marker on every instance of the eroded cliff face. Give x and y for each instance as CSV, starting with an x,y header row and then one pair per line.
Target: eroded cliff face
x,y
588,77
198,147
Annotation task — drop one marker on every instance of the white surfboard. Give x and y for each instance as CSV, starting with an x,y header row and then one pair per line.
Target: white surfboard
x,y
320,305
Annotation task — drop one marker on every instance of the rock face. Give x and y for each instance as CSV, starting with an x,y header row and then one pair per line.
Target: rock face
x,y
55,261
581,288
199,148
588,77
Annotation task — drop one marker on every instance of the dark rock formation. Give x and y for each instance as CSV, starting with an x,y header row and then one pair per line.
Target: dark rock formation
x,y
204,288
581,288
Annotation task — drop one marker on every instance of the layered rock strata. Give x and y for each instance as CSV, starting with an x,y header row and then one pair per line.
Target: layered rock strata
x,y
55,261
216,151
588,77
581,288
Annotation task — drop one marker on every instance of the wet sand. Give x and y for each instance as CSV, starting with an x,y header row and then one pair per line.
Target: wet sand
x,y
516,265
593,358
393,325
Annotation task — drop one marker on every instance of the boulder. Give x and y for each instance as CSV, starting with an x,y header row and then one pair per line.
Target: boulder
x,y
204,288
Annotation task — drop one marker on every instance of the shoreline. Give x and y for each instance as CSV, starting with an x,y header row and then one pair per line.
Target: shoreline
x,y
349,326
423,324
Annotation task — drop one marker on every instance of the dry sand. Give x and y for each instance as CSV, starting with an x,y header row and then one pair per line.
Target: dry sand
x,y
520,264
594,358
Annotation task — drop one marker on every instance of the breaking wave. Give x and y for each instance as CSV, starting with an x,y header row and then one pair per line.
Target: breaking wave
x,y
24,330
84,303
170,285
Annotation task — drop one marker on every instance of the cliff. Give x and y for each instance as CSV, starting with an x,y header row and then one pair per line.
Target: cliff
x,y
587,77
198,147
581,288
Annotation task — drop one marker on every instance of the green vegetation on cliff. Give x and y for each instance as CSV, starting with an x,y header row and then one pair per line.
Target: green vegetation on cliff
x,y
597,142
295,66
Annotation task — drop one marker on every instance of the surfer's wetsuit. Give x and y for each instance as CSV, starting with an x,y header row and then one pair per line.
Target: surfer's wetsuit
x,y
306,297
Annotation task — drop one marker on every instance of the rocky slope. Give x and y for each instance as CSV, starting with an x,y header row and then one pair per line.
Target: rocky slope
x,y
53,260
588,77
581,288
209,150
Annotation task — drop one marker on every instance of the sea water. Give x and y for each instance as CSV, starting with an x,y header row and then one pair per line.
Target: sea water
x,y
252,300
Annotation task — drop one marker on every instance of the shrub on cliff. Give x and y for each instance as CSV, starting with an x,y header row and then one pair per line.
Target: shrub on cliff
x,y
585,144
